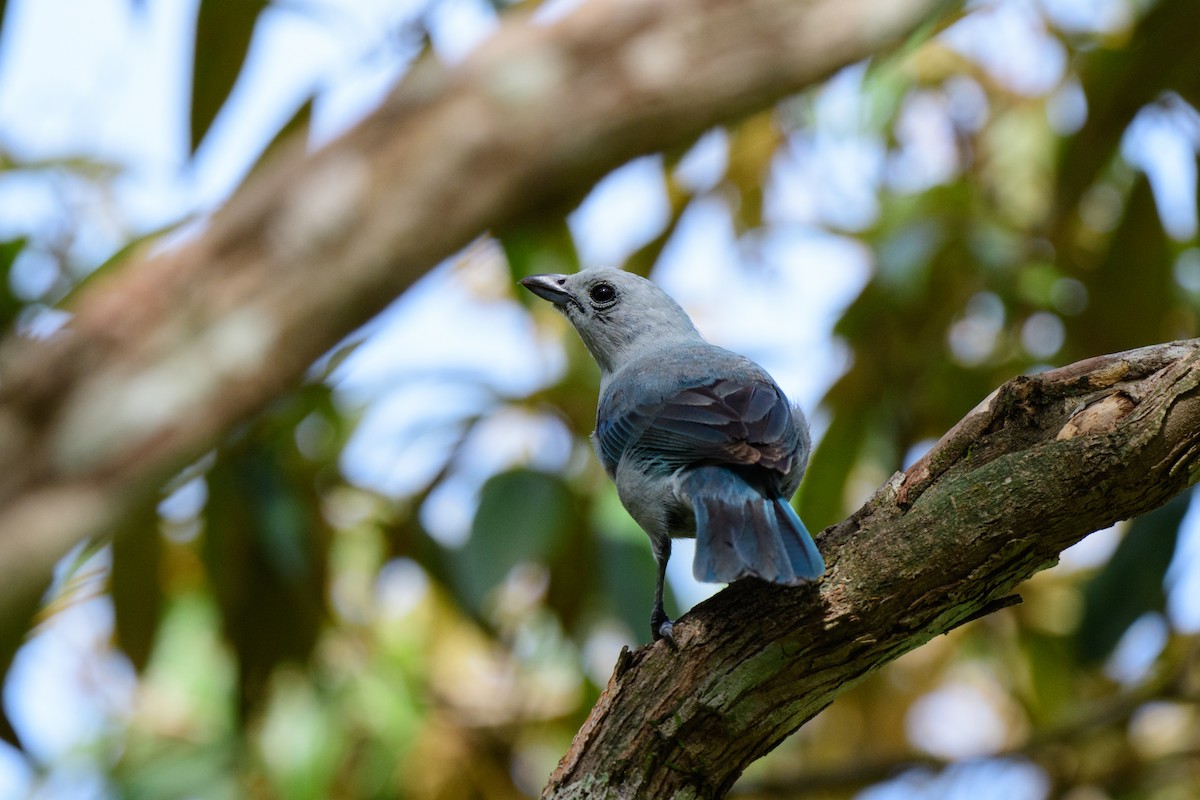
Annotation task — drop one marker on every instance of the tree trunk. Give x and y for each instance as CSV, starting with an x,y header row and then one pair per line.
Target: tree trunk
x,y
1041,463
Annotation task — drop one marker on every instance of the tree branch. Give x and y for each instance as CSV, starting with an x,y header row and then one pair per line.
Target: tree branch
x,y
1045,460
165,355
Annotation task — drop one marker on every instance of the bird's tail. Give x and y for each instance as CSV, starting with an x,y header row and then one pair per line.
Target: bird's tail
x,y
740,532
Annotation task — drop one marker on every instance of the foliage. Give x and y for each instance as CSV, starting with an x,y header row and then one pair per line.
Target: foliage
x,y
298,635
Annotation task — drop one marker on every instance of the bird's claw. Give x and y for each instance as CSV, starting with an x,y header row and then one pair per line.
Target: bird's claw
x,y
665,631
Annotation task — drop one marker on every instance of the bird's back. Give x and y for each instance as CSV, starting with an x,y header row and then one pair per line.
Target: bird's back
x,y
699,403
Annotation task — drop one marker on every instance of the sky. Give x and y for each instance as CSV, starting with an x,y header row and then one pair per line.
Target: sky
x,y
104,79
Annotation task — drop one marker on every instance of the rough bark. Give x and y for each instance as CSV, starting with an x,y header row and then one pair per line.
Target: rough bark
x,y
1042,462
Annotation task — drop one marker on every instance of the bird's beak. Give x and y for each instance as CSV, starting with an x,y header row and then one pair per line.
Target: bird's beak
x,y
549,287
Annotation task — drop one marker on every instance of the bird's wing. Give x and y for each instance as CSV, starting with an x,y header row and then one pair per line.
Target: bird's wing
x,y
722,421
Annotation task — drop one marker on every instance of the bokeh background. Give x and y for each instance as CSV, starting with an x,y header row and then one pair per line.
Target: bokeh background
x,y
410,577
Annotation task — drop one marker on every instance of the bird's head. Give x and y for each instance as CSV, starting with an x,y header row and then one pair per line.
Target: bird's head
x,y
619,315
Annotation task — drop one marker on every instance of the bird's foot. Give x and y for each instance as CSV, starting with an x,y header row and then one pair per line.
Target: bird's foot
x,y
663,629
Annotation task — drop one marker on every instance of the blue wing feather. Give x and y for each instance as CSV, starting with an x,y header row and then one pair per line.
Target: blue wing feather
x,y
735,450
715,421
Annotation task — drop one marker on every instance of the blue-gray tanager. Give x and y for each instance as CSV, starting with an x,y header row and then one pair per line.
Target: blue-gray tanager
x,y
699,441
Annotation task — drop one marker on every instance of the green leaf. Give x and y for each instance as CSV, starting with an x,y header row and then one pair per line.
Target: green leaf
x,y
1053,675
574,582
1132,283
523,516
10,305
136,586
823,490
543,245
15,621
629,572
266,546
224,29
130,249
296,127
1119,82
1131,583
642,260
752,146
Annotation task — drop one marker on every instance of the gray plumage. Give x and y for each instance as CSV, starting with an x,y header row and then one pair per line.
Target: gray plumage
x,y
700,441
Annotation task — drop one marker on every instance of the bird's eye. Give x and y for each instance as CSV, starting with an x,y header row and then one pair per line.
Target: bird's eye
x,y
603,293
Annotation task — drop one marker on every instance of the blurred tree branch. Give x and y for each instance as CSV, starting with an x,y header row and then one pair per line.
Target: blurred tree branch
x,y
1176,683
167,353
1044,461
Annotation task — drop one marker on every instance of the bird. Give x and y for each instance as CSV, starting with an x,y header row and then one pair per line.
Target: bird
x,y
700,441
